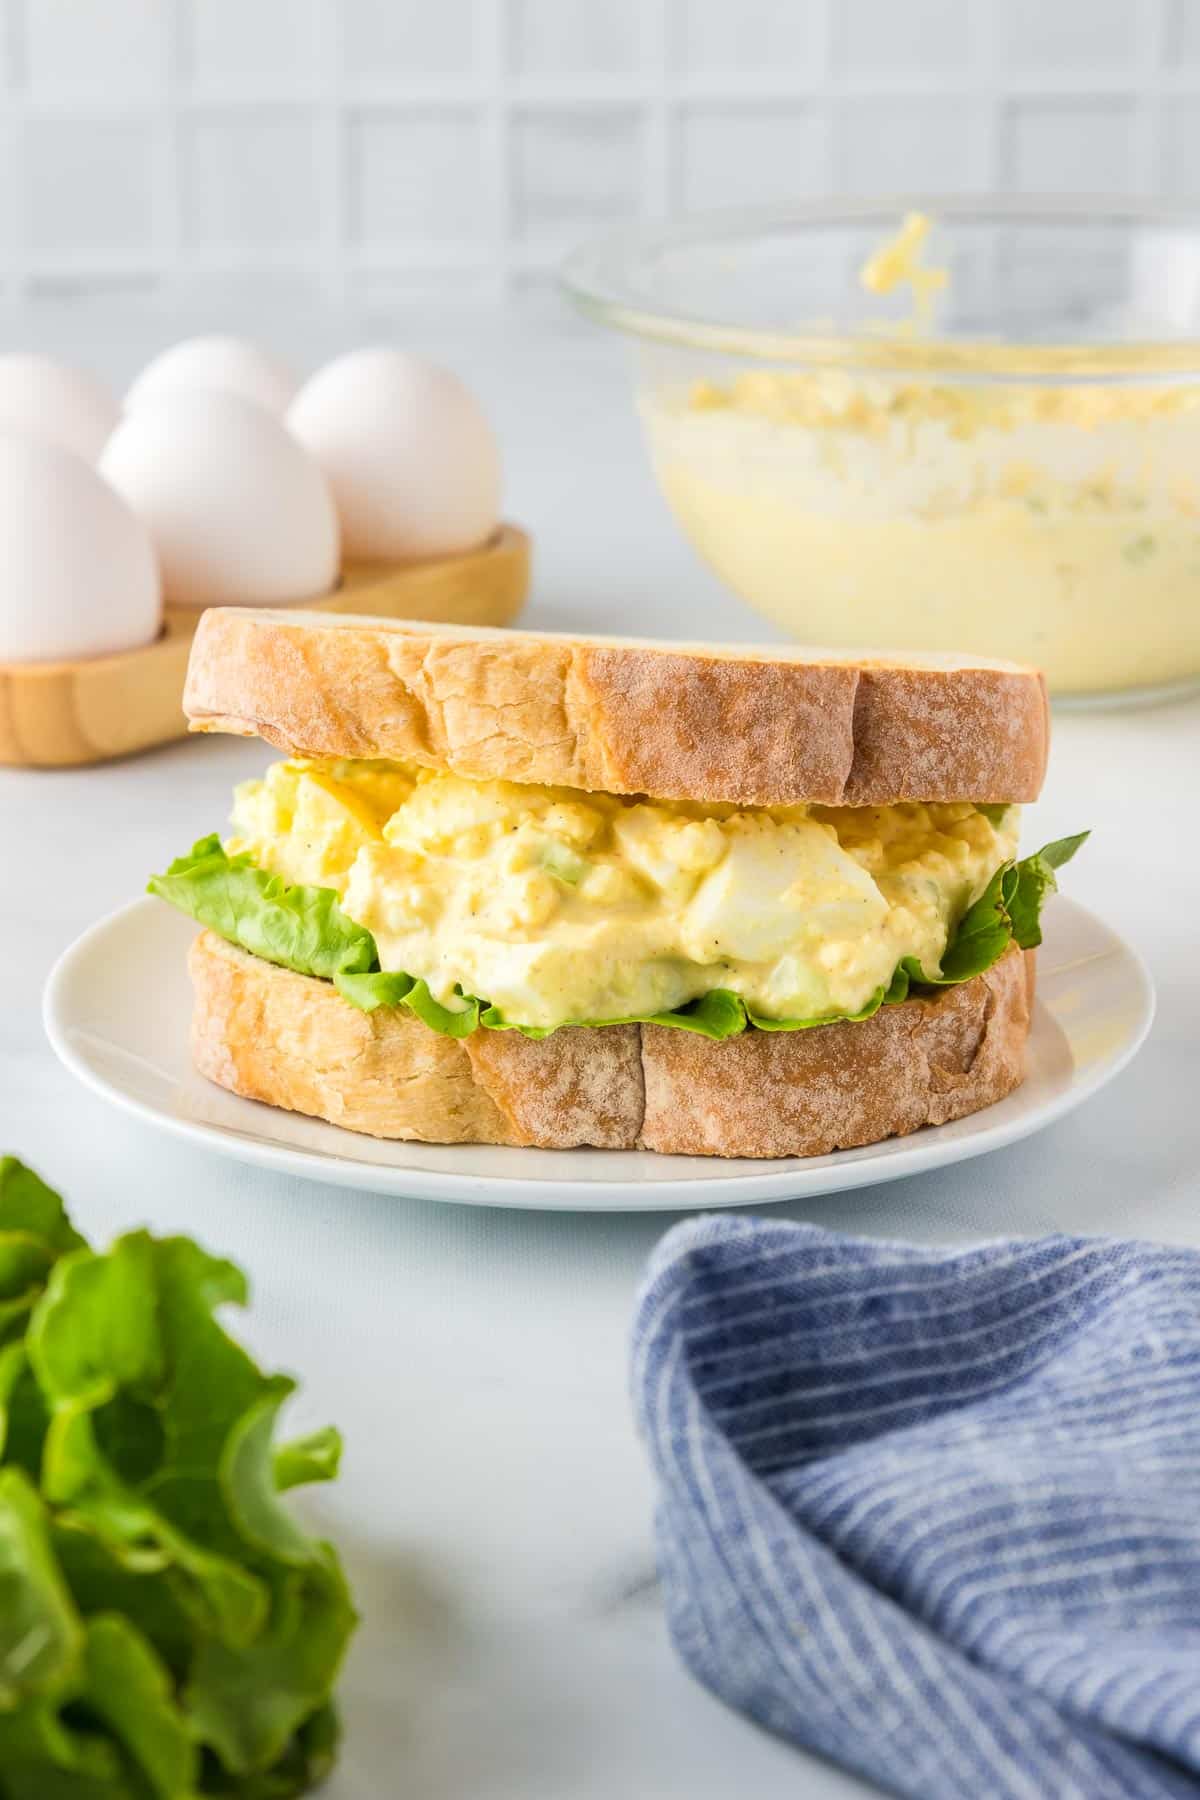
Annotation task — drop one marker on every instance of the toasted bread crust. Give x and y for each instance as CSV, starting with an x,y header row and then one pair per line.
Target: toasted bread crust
x,y
750,727
293,1042
805,1093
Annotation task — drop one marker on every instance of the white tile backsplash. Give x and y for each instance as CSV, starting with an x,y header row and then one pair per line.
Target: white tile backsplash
x,y
417,180
405,40
907,143
461,142
250,181
1183,34
731,155
878,38
114,47
577,37
1086,146
9,30
719,38
89,186
573,169
1180,166
1057,37
241,44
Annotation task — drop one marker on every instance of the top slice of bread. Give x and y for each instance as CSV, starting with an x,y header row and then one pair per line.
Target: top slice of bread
x,y
709,723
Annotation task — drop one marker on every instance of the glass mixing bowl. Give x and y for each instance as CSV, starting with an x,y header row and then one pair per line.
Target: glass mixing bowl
x,y
1010,468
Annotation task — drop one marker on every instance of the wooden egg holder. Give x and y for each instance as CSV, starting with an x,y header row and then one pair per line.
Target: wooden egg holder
x,y
54,715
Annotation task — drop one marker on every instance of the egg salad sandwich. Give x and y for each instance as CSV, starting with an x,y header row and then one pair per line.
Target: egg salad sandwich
x,y
514,888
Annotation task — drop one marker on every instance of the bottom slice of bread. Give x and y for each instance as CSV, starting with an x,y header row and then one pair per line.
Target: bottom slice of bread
x,y
294,1042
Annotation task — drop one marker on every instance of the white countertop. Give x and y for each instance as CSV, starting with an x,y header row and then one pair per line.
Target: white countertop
x,y
494,1505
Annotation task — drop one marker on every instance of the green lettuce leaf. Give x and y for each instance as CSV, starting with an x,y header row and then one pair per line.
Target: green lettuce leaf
x,y
300,928
717,1014
28,1205
1007,912
316,1457
168,1631
41,1634
131,1691
379,987
224,892
1035,880
248,1702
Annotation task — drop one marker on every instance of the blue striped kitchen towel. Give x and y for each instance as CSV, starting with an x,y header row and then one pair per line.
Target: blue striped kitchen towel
x,y
935,1514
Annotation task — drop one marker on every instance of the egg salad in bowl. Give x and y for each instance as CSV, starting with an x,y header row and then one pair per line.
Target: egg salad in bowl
x,y
975,425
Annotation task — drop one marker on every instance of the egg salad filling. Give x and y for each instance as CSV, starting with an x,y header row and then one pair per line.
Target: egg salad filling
x,y
512,905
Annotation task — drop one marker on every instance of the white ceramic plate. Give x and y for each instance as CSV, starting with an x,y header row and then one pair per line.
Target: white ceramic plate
x,y
118,1003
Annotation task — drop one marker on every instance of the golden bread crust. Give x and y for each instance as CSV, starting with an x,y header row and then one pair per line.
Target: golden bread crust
x,y
293,1042
805,1093
748,727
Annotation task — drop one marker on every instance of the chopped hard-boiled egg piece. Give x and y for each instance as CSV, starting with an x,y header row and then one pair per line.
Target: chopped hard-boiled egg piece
x,y
900,261
670,853
317,815
556,906
777,885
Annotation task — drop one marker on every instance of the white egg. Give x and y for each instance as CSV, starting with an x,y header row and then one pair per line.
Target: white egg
x,y
45,399
78,576
411,459
231,365
239,514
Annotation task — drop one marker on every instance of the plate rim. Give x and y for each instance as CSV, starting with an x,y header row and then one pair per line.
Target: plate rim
x,y
779,1180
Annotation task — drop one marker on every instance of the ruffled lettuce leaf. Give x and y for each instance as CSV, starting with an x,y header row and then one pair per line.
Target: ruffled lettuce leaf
x,y
717,1014
1007,912
316,1457
379,987
300,928
167,1629
1035,880
227,893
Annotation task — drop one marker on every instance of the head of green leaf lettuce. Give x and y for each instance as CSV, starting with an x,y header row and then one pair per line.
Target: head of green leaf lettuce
x,y
167,1628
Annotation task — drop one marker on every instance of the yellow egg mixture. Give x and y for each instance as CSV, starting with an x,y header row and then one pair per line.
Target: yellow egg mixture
x,y
556,905
1055,524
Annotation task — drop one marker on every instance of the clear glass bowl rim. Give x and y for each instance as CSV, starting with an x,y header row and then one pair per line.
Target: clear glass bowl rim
x,y
596,279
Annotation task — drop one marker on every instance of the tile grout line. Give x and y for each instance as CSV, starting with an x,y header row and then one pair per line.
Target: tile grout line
x,y
13,181
169,203
333,126
616,92
659,129
985,57
991,143
493,33
1151,140
828,85
230,260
